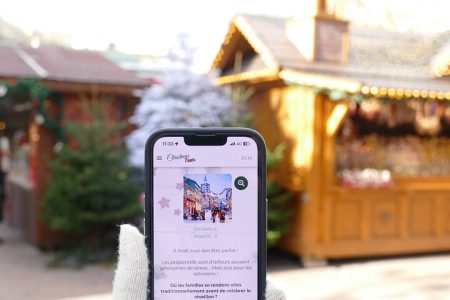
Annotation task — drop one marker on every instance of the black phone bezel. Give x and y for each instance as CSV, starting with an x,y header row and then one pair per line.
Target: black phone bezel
x,y
205,134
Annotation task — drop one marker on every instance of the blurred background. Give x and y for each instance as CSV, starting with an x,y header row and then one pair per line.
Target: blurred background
x,y
351,96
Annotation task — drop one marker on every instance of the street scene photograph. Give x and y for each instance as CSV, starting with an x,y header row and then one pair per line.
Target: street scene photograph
x,y
207,198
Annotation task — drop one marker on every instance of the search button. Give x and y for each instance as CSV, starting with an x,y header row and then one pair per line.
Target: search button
x,y
241,183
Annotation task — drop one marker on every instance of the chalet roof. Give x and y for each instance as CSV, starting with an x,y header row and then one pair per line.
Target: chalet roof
x,y
62,64
376,58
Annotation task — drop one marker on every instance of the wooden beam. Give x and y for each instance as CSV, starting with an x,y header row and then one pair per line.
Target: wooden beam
x,y
336,117
74,87
321,81
252,76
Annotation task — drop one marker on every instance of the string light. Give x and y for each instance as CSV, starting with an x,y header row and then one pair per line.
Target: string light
x,y
398,94
365,90
353,87
408,93
374,90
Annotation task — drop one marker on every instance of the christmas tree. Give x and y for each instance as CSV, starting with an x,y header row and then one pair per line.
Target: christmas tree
x,y
91,191
182,99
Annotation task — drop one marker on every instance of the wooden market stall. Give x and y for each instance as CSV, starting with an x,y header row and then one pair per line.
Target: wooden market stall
x,y
45,87
366,130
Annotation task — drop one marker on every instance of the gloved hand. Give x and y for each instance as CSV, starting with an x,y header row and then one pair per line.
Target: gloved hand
x,y
130,280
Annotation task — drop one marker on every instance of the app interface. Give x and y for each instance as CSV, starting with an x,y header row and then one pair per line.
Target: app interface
x,y
205,210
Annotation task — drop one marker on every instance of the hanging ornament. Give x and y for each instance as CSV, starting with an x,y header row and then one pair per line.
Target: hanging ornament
x,y
371,109
428,121
58,147
39,119
3,89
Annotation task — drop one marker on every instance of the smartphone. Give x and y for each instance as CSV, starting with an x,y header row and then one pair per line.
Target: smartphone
x,y
205,213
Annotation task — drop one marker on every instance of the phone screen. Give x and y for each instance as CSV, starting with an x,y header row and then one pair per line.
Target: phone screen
x,y
205,219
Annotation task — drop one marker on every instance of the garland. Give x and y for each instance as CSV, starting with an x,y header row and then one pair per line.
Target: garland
x,y
40,96
336,95
333,94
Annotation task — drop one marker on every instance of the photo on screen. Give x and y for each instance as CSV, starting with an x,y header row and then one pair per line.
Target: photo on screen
x,y
207,198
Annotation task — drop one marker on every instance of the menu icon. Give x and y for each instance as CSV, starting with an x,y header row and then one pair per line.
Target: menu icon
x,y
158,157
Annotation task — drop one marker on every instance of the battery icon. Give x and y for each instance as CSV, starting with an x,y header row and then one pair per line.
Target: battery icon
x,y
246,143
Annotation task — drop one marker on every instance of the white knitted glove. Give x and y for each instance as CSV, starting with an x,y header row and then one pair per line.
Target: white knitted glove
x,y
130,280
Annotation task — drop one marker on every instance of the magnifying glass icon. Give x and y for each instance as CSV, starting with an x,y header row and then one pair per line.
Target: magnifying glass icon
x,y
241,183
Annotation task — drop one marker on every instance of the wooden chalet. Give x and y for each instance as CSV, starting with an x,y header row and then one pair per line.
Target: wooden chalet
x,y
366,120
32,125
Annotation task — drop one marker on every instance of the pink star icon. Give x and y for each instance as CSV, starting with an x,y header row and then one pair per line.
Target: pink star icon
x,y
179,186
177,212
164,202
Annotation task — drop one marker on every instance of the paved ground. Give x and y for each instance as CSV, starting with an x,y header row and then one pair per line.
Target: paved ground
x,y
424,277
23,276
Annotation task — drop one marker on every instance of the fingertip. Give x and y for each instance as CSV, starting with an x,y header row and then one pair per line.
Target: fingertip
x,y
130,280
128,230
274,293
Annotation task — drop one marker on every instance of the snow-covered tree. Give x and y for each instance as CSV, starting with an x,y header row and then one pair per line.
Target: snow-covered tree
x,y
182,99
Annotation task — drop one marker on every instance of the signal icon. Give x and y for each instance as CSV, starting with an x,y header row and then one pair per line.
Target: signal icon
x,y
233,143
